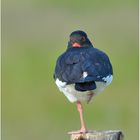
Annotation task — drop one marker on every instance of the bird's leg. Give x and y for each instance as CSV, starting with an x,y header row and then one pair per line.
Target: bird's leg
x,y
80,109
91,94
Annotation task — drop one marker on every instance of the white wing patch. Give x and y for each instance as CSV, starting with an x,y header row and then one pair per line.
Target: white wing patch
x,y
60,84
85,74
108,79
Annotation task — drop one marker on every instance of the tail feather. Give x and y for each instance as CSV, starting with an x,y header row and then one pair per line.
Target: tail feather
x,y
85,86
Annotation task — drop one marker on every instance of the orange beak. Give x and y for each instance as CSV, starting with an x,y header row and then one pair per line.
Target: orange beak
x,y
76,45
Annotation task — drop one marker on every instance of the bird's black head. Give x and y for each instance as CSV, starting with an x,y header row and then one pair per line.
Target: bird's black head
x,y
79,39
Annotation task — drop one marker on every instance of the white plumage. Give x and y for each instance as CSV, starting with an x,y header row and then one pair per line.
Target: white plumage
x,y
74,95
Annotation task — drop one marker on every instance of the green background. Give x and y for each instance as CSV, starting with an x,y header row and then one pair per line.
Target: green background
x,y
34,34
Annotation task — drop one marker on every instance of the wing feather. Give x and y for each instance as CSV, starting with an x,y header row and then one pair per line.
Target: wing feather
x,y
74,62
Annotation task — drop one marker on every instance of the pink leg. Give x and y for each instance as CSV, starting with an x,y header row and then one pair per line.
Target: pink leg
x,y
80,109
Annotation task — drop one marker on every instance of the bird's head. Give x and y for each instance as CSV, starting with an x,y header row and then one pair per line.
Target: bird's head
x,y
78,39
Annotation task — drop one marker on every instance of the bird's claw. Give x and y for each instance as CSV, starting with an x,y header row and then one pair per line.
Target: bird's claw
x,y
78,132
78,135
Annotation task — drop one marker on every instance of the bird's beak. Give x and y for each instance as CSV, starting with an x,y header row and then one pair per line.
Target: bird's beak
x,y
76,45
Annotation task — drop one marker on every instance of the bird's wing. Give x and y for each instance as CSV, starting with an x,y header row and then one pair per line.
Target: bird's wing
x,y
82,65
68,67
97,65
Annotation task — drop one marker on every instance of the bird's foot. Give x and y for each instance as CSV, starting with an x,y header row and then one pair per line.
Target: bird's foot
x,y
81,131
79,134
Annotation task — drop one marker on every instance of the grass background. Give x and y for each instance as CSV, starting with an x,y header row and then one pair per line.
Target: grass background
x,y
34,34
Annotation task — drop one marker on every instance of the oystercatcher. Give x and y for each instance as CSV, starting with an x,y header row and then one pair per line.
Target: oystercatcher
x,y
82,71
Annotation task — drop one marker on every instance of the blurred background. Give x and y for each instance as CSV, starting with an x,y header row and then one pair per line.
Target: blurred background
x,y
34,34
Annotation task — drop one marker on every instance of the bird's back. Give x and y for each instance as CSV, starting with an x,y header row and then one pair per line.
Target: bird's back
x,y
79,65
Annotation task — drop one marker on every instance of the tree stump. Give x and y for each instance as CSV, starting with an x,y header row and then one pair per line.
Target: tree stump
x,y
98,135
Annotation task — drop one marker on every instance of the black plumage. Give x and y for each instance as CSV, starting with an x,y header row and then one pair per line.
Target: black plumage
x,y
71,65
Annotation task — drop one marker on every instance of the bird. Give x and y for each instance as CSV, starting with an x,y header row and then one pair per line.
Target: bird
x,y
82,72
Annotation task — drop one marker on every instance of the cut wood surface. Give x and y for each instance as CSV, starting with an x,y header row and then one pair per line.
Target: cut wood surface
x,y
98,135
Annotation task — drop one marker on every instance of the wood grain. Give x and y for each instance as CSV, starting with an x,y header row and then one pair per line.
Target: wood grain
x,y
98,135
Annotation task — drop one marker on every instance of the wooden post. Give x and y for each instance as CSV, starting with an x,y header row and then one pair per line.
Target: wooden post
x,y
98,135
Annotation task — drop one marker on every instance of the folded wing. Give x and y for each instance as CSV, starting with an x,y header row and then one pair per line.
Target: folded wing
x,y
83,65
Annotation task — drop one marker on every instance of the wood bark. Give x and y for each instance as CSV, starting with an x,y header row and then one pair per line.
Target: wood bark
x,y
98,135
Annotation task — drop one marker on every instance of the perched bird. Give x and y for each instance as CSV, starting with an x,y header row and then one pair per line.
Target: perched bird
x,y
82,71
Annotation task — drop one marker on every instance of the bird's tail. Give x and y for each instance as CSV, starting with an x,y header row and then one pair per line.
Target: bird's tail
x,y
85,86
